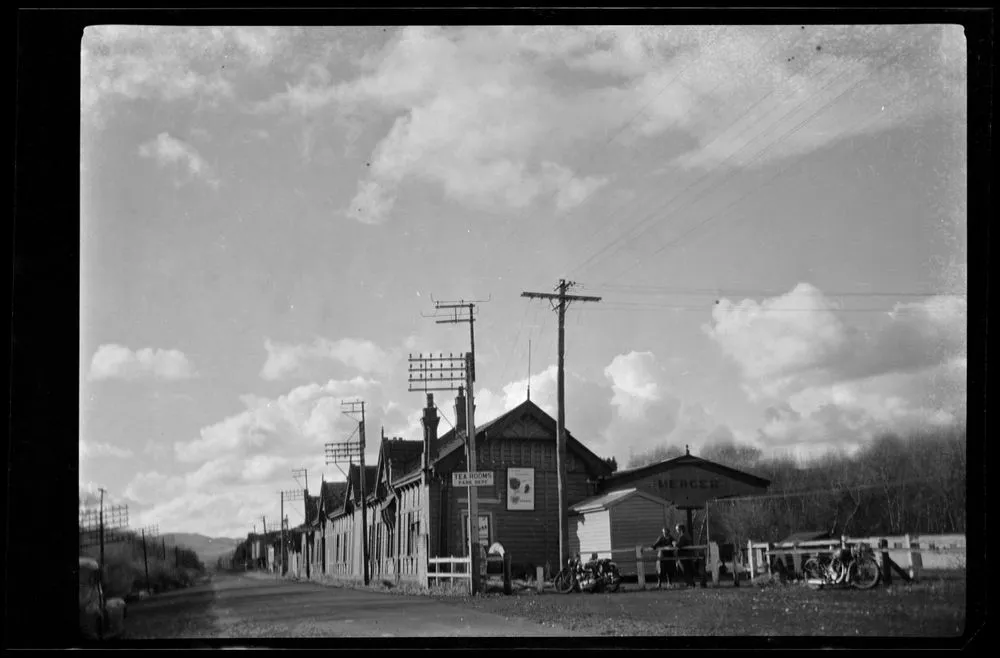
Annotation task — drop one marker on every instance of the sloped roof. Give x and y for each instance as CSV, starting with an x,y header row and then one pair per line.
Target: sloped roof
x,y
312,510
806,535
620,478
451,441
332,496
399,452
354,475
612,498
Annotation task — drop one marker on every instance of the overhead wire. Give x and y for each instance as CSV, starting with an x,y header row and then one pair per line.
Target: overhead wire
x,y
758,187
649,220
604,227
620,131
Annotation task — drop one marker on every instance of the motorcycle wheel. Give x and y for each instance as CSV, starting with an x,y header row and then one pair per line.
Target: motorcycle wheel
x,y
565,581
864,573
615,580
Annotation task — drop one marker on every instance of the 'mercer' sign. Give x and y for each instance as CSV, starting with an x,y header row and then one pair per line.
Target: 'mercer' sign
x,y
689,487
692,483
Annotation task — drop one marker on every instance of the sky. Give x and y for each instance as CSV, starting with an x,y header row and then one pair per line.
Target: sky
x,y
774,218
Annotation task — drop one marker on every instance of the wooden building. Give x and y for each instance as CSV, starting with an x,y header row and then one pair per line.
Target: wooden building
x,y
619,519
415,512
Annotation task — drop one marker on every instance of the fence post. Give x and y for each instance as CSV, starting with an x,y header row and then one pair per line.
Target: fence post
x,y
750,559
508,587
767,558
539,578
883,544
703,562
713,557
640,568
916,559
797,560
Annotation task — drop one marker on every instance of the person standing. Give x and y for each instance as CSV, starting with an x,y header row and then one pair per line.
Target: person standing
x,y
664,541
682,542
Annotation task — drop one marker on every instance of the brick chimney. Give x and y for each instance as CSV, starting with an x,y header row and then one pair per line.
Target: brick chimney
x,y
430,422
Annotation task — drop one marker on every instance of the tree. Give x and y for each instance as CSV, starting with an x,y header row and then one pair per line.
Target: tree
x,y
656,455
612,463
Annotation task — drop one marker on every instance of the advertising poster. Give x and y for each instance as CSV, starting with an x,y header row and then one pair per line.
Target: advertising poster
x,y
521,489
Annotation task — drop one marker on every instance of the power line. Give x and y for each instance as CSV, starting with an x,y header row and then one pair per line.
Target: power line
x,y
626,125
722,291
760,153
604,227
753,190
652,216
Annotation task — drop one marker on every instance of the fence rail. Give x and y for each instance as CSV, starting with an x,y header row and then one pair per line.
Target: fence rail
x,y
908,549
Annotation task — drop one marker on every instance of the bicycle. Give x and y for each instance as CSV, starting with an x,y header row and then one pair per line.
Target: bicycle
x,y
855,566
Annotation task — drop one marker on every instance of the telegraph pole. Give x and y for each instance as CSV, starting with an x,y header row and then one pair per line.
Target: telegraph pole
x,y
145,560
448,375
563,301
457,308
100,527
347,451
281,553
296,494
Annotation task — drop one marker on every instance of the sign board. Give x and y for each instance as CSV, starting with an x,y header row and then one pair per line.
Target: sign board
x,y
521,489
472,479
689,487
483,530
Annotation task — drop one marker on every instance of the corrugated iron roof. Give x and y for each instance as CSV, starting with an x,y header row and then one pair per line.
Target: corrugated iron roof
x,y
612,498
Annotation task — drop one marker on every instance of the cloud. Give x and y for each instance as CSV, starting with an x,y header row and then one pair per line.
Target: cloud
x,y
293,424
91,450
833,383
285,360
122,63
167,150
492,115
799,338
113,361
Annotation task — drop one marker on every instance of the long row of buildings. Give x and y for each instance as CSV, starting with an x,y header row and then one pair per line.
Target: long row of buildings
x,y
414,512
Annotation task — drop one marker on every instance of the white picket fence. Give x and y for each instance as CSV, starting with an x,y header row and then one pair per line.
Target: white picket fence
x,y
913,553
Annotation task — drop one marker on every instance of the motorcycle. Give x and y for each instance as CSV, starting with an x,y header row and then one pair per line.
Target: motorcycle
x,y
594,576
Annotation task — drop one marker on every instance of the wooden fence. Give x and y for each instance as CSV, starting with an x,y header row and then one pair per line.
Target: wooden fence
x,y
703,558
907,555
451,568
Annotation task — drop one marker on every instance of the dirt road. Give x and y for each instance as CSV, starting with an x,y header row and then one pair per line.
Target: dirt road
x,y
238,606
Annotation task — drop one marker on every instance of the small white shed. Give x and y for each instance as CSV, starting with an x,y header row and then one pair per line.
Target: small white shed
x,y
618,520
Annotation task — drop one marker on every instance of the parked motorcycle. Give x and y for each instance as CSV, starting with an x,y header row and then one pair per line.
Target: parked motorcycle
x,y
594,576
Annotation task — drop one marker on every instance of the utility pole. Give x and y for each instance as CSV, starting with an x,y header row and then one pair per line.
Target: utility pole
x,y
145,560
348,451
457,309
425,377
281,553
563,301
297,494
100,528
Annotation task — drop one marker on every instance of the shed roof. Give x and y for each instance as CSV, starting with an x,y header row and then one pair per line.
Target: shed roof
x,y
632,474
612,498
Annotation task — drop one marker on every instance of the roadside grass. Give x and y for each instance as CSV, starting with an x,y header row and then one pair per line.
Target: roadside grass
x,y
933,608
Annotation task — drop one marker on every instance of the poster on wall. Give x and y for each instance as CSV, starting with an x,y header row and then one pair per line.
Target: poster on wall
x,y
521,489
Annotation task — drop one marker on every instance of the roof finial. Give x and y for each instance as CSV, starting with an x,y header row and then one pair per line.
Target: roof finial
x,y
687,448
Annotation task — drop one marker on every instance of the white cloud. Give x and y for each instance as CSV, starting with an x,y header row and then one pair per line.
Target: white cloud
x,y
296,423
121,63
833,383
168,150
490,114
286,360
91,450
113,361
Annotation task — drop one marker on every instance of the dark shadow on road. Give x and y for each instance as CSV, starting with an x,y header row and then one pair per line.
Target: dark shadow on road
x,y
185,613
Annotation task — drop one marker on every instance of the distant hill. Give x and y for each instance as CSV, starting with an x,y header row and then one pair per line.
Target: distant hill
x,y
208,549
